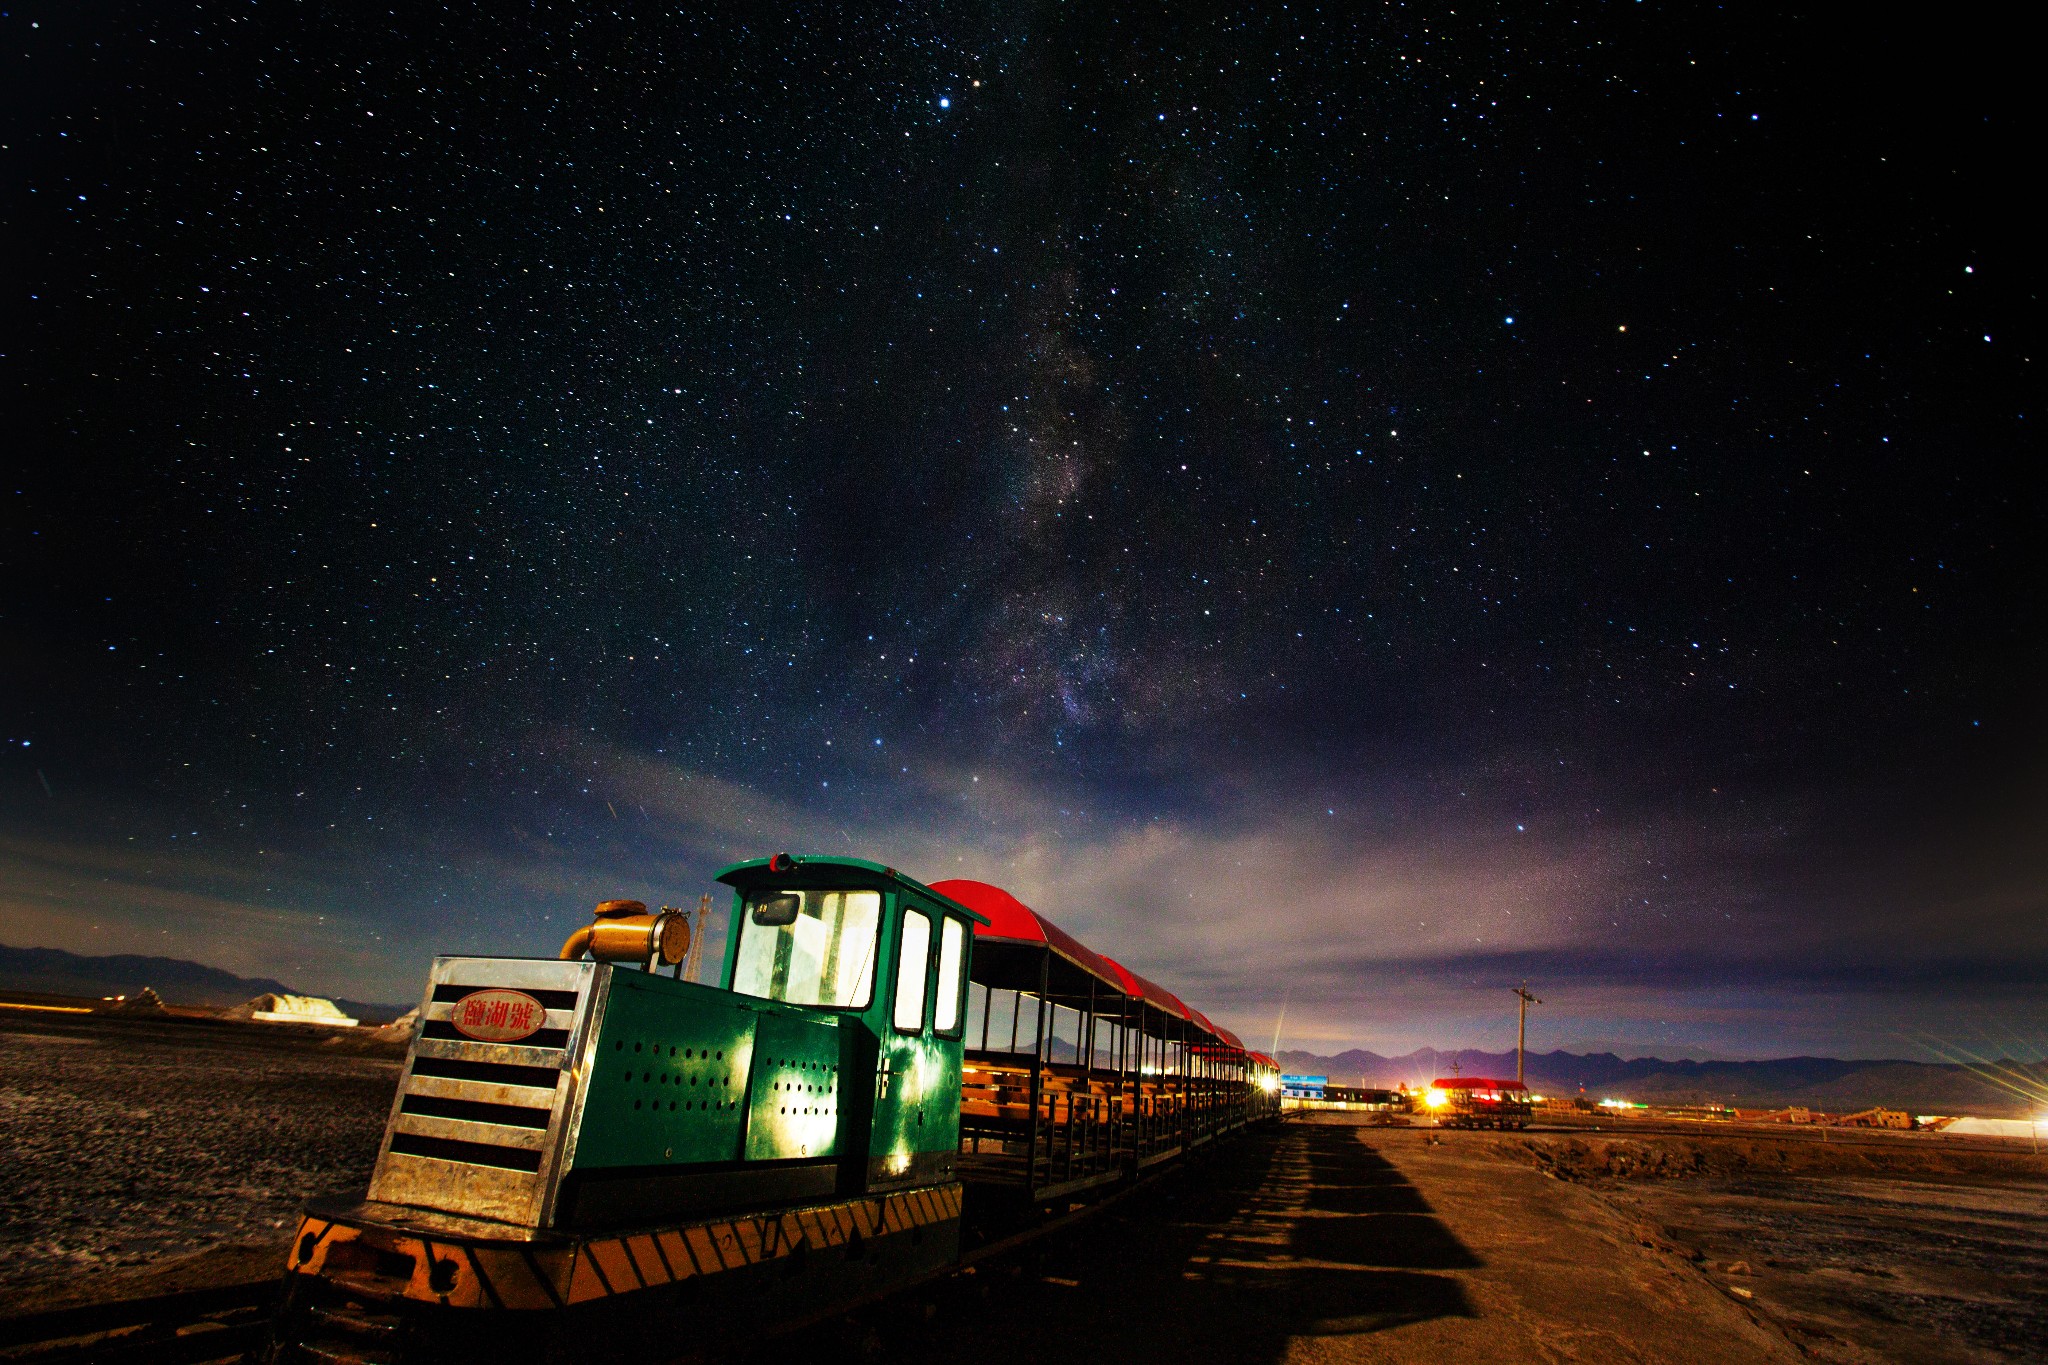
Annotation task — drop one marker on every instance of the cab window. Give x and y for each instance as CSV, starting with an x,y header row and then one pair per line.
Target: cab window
x,y
911,963
809,947
952,949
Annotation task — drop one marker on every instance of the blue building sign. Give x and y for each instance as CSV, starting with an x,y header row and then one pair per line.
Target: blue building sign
x,y
1303,1087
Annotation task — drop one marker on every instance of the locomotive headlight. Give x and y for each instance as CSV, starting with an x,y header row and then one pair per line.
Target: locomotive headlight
x,y
1269,1084
1434,1098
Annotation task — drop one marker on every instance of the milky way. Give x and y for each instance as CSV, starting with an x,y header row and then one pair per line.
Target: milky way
x,y
1353,506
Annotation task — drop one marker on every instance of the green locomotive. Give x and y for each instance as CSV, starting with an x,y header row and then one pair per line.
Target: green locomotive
x,y
580,1150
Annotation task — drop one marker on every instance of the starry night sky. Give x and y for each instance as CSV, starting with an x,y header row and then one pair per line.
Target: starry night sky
x,y
1345,508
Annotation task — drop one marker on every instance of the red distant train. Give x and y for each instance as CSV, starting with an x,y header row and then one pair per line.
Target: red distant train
x,y
1478,1102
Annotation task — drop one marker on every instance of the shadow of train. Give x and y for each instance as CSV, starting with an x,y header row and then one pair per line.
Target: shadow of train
x,y
1301,1232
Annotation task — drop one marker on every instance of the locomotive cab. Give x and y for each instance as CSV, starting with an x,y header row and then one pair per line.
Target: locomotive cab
x,y
889,958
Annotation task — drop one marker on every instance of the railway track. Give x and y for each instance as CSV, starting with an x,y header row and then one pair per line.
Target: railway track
x,y
224,1324
190,1328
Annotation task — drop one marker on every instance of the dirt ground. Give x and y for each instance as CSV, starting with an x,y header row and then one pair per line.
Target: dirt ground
x,y
1878,1249
1328,1243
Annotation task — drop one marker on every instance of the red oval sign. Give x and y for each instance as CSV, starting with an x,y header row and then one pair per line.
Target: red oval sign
x,y
498,1016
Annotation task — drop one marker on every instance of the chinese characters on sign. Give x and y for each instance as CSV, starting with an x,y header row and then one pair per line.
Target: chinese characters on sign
x,y
498,1016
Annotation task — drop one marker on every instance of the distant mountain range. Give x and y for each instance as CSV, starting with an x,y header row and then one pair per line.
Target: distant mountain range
x,y
1995,1088
179,982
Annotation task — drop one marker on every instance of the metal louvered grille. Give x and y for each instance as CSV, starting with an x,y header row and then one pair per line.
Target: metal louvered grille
x,y
486,1093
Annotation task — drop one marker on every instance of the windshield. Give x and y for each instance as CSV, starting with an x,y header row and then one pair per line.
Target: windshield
x,y
818,951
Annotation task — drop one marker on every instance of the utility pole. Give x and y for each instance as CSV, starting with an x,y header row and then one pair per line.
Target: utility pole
x,y
694,962
1522,1026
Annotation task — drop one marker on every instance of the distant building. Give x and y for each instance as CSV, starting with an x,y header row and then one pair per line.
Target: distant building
x,y
293,1009
1796,1113
1304,1087
1697,1113
1365,1095
144,1001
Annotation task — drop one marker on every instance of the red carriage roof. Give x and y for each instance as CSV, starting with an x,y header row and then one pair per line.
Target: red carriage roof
x,y
1126,980
1010,918
1157,995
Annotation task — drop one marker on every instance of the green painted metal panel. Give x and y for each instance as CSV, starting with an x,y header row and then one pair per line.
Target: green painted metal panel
x,y
917,1078
795,1097
917,1101
899,1117
668,1078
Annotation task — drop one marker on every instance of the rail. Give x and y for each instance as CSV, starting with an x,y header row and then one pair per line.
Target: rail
x,y
188,1328
227,1323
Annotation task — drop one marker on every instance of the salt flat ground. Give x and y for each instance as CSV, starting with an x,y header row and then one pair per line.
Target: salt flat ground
x,y
130,1145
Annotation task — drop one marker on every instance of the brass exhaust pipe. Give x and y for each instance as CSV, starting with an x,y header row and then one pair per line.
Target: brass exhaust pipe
x,y
624,932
